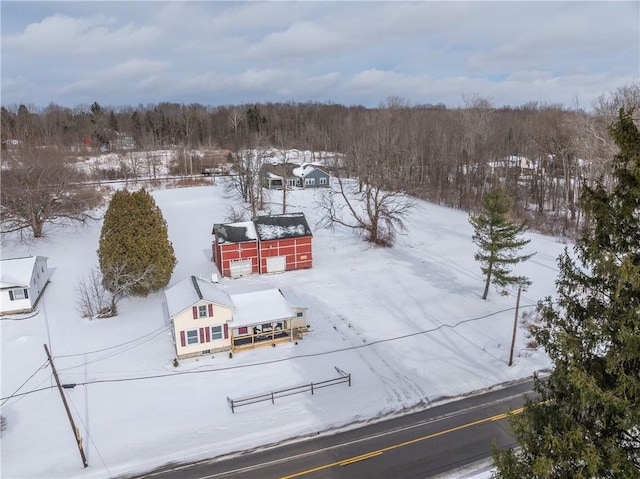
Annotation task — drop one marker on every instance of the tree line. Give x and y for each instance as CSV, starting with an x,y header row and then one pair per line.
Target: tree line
x,y
542,155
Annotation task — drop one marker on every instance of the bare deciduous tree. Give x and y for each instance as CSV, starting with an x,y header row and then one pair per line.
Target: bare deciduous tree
x,y
247,183
376,202
98,299
378,214
39,186
93,300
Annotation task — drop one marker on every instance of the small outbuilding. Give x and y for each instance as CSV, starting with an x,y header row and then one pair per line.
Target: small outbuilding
x,y
22,282
208,317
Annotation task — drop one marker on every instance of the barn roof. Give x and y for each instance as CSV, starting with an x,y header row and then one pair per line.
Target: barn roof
x,y
235,232
292,225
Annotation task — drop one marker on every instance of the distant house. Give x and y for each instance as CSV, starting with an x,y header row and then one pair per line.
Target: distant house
x,y
513,165
22,281
312,176
208,318
275,177
267,244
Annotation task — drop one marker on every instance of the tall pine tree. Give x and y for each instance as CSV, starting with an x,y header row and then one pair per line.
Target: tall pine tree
x,y
498,240
135,254
586,421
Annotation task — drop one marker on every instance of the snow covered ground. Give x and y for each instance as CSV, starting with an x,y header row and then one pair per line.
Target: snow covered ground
x,y
407,322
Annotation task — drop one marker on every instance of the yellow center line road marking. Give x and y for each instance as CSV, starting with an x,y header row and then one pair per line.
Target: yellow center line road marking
x,y
369,455
360,458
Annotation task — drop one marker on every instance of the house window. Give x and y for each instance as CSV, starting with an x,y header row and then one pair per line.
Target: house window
x,y
216,332
299,314
323,180
192,336
16,294
309,181
202,311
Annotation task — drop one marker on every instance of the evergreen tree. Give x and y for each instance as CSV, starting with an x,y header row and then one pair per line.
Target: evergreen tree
x,y
499,241
585,422
135,254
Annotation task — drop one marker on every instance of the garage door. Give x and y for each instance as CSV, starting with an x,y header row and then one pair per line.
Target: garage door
x,y
276,264
240,268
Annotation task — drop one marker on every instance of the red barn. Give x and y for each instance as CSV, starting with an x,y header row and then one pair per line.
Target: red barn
x,y
267,244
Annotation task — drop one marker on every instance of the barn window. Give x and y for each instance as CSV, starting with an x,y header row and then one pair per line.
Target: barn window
x,y
192,336
216,332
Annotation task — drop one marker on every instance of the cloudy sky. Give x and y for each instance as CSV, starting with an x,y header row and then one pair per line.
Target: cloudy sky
x,y
349,52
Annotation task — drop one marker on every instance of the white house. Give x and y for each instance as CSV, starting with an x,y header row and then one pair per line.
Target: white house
x,y
22,281
208,317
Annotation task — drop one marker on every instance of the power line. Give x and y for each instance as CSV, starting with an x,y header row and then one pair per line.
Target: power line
x,y
274,361
86,430
17,395
112,347
309,355
157,332
44,365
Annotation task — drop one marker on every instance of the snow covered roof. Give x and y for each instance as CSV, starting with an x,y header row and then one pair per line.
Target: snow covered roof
x,y
257,304
305,169
17,271
235,232
252,303
191,290
268,227
291,225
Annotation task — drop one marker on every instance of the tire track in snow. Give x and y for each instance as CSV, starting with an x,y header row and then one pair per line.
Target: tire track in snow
x,y
398,387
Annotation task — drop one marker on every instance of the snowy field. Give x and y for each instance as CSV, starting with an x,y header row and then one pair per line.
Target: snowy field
x,y
407,322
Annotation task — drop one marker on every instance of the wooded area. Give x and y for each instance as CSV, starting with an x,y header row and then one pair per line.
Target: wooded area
x,y
541,154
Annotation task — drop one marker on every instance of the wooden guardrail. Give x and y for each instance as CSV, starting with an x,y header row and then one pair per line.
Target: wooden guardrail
x,y
280,393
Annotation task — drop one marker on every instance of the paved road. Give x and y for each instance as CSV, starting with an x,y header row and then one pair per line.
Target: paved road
x,y
417,445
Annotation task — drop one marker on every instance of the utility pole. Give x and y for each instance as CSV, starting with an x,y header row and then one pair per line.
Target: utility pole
x,y
515,327
75,430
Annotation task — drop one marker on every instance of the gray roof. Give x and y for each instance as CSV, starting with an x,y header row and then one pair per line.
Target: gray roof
x,y
235,232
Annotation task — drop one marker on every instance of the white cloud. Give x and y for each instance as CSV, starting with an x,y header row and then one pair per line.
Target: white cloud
x,y
301,39
64,35
348,52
